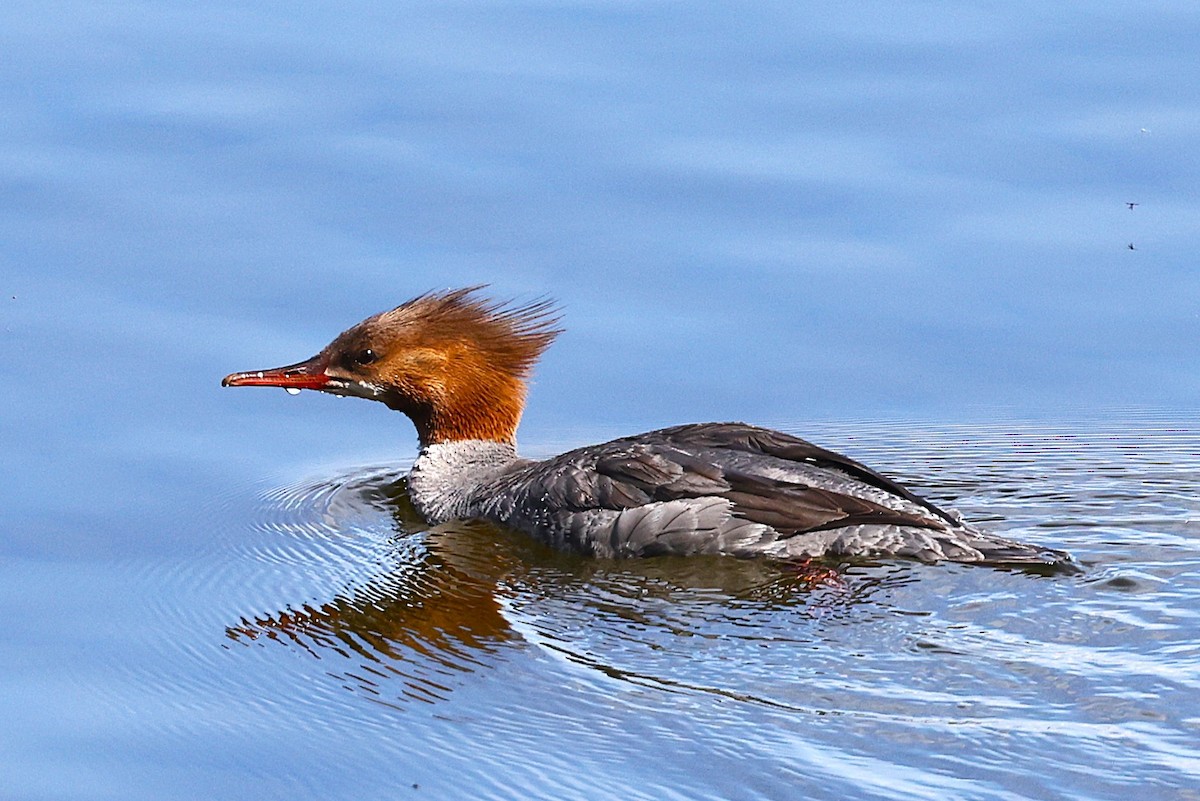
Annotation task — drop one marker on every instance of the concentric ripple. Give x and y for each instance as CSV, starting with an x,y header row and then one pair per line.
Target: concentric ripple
x,y
403,614
333,590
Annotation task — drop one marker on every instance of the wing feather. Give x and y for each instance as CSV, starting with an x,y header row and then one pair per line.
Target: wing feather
x,y
702,461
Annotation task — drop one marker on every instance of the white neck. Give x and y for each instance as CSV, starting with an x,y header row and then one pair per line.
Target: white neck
x,y
445,473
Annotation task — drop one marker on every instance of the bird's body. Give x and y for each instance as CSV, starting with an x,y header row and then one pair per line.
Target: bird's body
x,y
456,366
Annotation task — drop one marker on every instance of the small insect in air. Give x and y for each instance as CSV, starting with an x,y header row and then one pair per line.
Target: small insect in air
x,y
1132,205
1131,247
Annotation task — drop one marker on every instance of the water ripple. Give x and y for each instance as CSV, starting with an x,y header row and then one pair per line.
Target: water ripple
x,y
335,585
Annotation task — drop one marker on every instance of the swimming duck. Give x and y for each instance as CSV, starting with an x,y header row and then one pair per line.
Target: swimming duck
x,y
456,363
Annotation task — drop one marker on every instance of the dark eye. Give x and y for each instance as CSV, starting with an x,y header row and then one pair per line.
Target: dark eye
x,y
365,356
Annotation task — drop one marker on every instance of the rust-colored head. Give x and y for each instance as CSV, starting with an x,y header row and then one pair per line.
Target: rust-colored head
x,y
454,362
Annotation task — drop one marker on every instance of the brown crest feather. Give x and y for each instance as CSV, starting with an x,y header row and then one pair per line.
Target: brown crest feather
x,y
514,336
456,362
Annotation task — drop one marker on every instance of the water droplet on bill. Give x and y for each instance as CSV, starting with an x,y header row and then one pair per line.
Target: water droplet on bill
x,y
291,390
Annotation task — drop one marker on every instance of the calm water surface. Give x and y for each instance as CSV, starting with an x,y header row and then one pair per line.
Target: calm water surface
x,y
900,231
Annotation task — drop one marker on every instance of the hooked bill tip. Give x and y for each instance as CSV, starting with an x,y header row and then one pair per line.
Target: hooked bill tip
x,y
238,379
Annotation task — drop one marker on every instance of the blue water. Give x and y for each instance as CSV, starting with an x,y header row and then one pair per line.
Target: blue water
x,y
898,230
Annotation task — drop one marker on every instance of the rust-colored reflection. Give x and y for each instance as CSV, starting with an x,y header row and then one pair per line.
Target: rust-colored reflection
x,y
426,622
431,619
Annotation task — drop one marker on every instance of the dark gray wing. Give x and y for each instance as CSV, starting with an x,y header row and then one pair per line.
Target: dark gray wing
x,y
768,477
735,489
751,439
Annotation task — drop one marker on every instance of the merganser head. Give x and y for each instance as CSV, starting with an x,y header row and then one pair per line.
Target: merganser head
x,y
454,362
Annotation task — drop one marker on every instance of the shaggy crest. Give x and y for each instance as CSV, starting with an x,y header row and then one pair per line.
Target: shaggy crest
x,y
512,336
454,362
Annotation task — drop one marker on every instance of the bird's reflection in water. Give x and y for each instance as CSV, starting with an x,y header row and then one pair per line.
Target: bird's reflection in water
x,y
427,619
441,610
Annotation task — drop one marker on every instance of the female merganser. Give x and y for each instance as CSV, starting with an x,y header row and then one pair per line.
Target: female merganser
x,y
456,364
